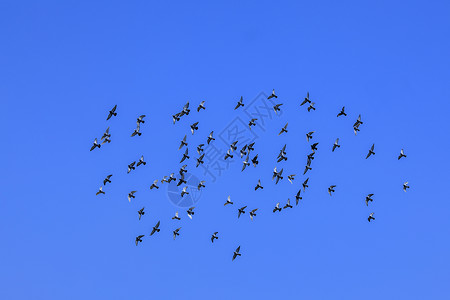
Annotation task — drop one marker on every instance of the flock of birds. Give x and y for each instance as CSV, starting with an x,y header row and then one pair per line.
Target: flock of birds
x,y
244,151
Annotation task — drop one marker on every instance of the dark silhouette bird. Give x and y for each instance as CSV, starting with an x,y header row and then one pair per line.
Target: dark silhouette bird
x,y
331,189
242,151
141,212
137,130
107,179
250,147
181,180
288,204
342,112
185,110
240,103
272,95
233,146
190,212
236,253
255,160
252,123
358,122
284,129
106,136
164,179
185,156
201,106
314,146
291,178
183,142
214,237
228,155
259,186
356,129
305,184
184,191
176,217
175,233
112,112
171,178
201,184
210,138
131,195
200,149
298,197
156,228
200,160
194,127
336,145
241,211
405,186
176,118
253,213
277,174
183,169
141,161
311,106
369,198
306,100
276,108
309,135
371,152
228,201
245,163
311,155
371,217
277,207
131,167
154,185
402,154
139,239
100,191
282,151
95,145
282,156
308,166
140,119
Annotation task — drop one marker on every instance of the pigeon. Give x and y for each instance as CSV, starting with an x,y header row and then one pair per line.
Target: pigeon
x,y
131,167
284,129
278,175
171,178
154,185
252,123
175,233
250,147
291,178
210,138
282,156
309,135
176,217
342,112
107,179
194,127
277,207
181,180
228,155
311,155
358,122
298,197
201,106
356,129
183,169
306,100
311,106
100,191
282,151
131,195
200,149
112,112
236,253
176,118
243,152
253,213
272,95
106,136
259,186
402,154
185,156
371,151
214,236
139,239
336,145
183,142
190,212
156,228
239,104
106,140
164,179
331,189
141,119
184,191
276,108
228,201
200,160
141,212
307,167
241,211
255,160
305,184
369,198
405,186
371,217
245,163
314,146
288,204
141,161
201,184
233,146
95,144
136,131
186,109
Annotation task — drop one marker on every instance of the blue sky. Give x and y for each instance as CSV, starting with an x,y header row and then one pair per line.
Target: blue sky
x,y
65,64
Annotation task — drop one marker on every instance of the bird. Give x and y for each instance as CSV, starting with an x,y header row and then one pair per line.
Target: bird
x,y
245,163
175,233
306,100
277,207
176,217
141,212
233,146
282,151
190,212
200,160
228,201
272,95
106,136
371,217
336,145
176,118
171,178
314,146
139,239
184,191
200,149
291,178
311,155
194,127
100,191
156,228
164,179
214,236
242,151
181,180
201,184
183,142
131,195
276,108
241,211
305,184
288,204
131,167
236,253
239,104
311,106
358,122
201,106
405,186
308,166
253,213
277,174
137,130
140,119
210,138
298,197
185,155
356,129
252,123
154,185
185,110
371,151
402,154
284,129
309,135
106,140
331,189
183,169
342,112
95,144
255,160
259,186
141,161
107,179
282,156
250,147
112,112
228,155
369,198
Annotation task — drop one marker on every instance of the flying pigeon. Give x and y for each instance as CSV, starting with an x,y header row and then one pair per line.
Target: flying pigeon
x,y
107,179
314,146
284,129
282,156
311,155
176,118
136,131
156,228
95,144
402,154
186,109
369,198
200,160
228,155
185,156
336,145
181,180
171,178
291,178
371,151
308,166
184,191
228,201
176,217
305,184
175,233
240,103
233,146
183,142
371,217
272,95
405,186
277,207
236,253
342,112
190,212
358,122
309,135
356,129
278,175
255,160
306,100
154,185
298,197
311,106
194,127
288,204
253,213
100,191
200,149
183,169
276,108
141,119
252,123
201,184
131,167
282,151
131,195
141,212
201,106
241,211
214,236
210,138
112,112
331,189
245,163
139,239
243,152
259,186
106,136
141,161
250,147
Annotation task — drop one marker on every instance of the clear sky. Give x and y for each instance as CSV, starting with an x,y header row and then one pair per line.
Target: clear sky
x,y
64,64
